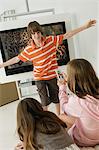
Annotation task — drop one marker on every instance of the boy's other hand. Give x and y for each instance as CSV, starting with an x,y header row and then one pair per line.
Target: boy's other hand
x,y
90,23
1,65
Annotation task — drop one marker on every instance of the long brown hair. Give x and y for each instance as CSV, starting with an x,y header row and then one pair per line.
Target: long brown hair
x,y
31,118
82,79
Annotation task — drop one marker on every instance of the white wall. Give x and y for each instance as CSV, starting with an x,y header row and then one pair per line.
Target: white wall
x,y
83,10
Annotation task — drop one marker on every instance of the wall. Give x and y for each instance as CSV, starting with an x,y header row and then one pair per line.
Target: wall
x,y
83,10
88,40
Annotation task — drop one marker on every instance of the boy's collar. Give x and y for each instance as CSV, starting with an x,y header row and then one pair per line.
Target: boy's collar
x,y
34,45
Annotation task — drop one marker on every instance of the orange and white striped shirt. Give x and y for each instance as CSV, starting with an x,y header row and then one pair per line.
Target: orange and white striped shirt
x,y
43,58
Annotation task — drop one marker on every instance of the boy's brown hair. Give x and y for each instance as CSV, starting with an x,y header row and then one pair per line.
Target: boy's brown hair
x,y
33,27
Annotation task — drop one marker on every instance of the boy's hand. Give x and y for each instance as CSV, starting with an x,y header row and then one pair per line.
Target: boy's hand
x,y
1,65
90,23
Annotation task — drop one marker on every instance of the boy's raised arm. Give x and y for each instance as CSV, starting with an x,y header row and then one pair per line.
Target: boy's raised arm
x,y
87,25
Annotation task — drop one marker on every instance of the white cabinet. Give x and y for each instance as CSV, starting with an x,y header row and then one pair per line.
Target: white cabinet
x,y
26,88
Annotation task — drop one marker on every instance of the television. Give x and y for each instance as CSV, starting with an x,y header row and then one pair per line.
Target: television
x,y
13,41
14,38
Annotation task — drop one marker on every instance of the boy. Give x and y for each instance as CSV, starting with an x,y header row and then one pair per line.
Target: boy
x,y
42,53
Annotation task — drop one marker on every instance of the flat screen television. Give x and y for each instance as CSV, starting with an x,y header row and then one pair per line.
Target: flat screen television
x,y
13,41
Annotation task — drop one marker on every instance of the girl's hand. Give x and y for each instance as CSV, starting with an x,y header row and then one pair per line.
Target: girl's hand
x,y
63,80
19,146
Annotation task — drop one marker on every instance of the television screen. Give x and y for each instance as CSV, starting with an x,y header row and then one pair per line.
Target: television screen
x,y
13,41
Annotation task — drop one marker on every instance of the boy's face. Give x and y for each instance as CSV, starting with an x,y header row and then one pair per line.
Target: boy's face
x,y
36,36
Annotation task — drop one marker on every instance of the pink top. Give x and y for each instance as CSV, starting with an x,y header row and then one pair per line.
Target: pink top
x,y
85,131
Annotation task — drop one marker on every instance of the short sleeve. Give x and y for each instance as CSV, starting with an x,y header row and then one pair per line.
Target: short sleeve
x,y
58,39
25,55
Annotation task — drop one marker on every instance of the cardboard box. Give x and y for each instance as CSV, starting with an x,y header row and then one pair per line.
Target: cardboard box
x,y
8,93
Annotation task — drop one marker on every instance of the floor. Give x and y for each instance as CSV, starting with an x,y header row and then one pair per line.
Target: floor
x,y
8,135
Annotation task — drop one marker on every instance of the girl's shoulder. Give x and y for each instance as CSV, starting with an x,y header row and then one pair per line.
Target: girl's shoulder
x,y
90,105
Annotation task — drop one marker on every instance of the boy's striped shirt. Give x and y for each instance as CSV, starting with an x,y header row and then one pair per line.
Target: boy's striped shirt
x,y
43,58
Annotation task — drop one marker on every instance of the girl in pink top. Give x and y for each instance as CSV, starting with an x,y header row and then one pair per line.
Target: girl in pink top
x,y
81,107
